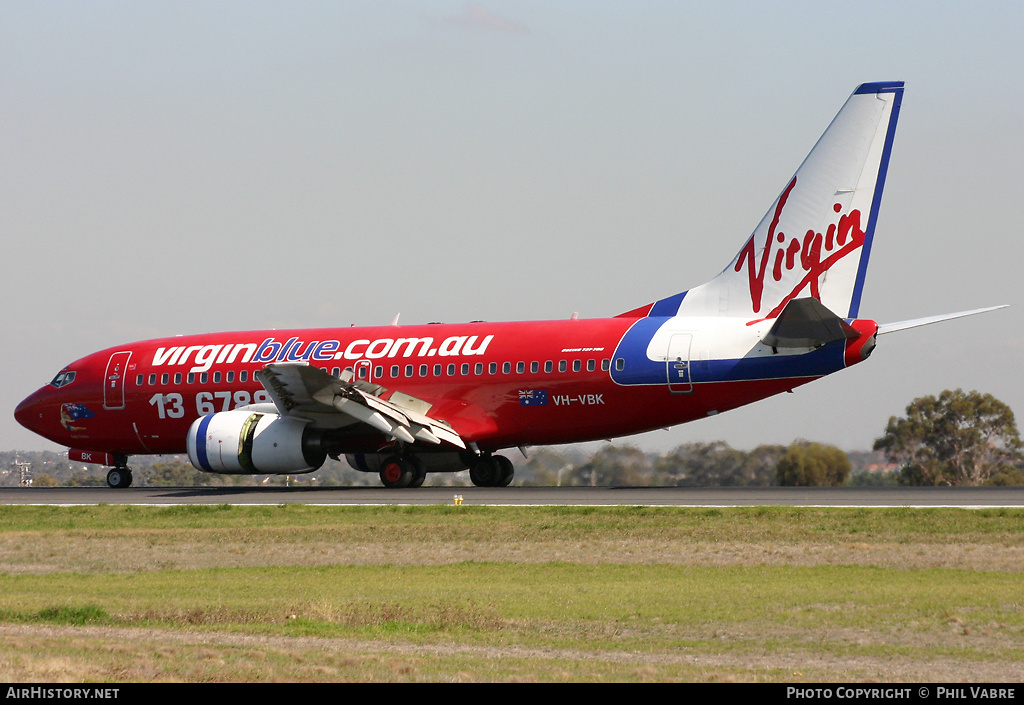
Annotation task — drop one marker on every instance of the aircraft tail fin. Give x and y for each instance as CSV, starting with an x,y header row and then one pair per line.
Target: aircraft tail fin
x,y
816,238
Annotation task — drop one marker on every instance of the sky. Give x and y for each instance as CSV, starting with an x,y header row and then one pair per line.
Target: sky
x,y
183,167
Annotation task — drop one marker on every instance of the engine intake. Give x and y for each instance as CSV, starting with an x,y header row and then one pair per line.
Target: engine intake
x,y
245,442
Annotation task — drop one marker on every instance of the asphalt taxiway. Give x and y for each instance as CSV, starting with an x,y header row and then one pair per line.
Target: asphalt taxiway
x,y
971,497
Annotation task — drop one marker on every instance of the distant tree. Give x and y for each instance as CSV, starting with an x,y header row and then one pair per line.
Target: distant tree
x,y
806,464
1009,476
760,468
85,478
956,439
175,474
615,465
717,464
699,464
546,467
867,478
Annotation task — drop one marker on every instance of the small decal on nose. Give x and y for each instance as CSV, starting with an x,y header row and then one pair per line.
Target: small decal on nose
x,y
69,413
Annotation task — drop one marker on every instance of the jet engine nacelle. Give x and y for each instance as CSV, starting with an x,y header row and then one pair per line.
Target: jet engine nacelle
x,y
432,462
245,442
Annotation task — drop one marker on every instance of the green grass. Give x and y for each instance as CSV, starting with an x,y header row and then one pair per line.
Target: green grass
x,y
486,596
284,575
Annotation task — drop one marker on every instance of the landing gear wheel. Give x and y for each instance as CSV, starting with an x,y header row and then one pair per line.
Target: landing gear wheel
x,y
119,477
420,471
487,472
508,470
398,471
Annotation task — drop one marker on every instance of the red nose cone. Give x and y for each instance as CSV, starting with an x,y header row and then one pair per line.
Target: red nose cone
x,y
30,412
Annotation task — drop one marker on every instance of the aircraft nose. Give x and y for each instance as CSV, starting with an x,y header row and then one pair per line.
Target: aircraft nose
x,y
29,412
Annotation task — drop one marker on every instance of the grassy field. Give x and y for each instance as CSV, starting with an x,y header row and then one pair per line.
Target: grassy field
x,y
444,593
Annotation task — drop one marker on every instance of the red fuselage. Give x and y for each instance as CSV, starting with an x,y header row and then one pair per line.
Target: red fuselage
x,y
498,385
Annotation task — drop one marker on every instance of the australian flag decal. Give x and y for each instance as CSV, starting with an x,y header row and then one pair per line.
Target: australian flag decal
x,y
69,413
533,397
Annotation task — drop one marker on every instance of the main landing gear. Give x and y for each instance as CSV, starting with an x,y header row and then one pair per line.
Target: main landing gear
x,y
402,470
491,471
120,477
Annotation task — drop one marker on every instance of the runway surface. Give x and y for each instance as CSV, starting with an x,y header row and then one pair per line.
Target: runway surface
x,y
973,497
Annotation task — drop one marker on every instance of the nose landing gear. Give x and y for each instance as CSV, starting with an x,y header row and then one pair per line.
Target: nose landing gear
x,y
119,477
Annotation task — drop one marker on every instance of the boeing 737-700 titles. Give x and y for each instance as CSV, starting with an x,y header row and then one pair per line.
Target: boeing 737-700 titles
x,y
403,401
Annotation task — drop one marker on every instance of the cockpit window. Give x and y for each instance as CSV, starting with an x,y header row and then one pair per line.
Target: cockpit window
x,y
63,378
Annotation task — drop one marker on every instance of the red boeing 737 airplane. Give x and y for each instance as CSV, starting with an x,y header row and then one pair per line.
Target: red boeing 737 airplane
x,y
403,401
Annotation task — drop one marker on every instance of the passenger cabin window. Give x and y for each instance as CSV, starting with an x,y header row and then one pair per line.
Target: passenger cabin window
x,y
576,364
138,380
437,370
216,378
465,368
534,366
604,364
152,379
394,371
547,366
165,378
591,365
620,364
451,370
177,378
520,367
230,376
506,367
561,366
243,376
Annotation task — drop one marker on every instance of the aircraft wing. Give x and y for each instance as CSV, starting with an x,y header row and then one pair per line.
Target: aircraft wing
x,y
298,387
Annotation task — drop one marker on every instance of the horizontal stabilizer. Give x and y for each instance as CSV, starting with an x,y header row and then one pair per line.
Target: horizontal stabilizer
x,y
807,323
903,325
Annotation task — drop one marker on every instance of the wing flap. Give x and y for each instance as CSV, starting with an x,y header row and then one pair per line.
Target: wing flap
x,y
298,388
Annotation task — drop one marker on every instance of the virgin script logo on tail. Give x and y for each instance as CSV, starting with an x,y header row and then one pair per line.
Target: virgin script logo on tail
x,y
814,253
